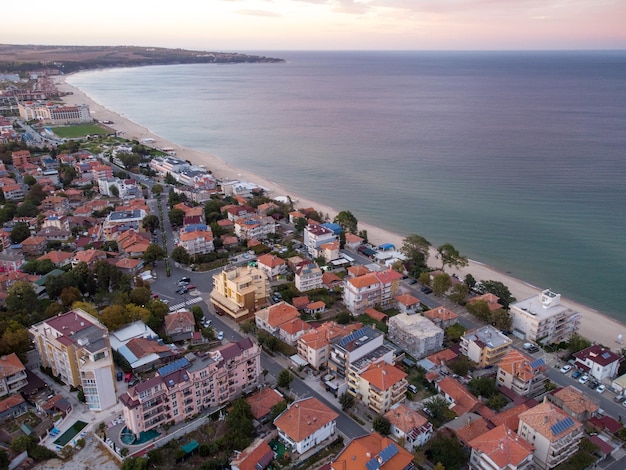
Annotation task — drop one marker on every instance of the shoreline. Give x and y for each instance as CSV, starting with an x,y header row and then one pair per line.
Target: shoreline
x,y
596,326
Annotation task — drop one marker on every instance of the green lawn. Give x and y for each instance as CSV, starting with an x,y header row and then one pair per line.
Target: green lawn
x,y
79,130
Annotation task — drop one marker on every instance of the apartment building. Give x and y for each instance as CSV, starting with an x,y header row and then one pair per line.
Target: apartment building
x,y
12,374
197,242
239,291
122,220
308,276
272,265
165,165
77,349
522,374
371,290
314,346
554,435
415,334
543,319
255,227
500,449
315,236
54,114
185,387
485,345
379,386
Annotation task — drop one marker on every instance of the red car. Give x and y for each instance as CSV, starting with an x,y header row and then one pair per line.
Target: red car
x,y
191,286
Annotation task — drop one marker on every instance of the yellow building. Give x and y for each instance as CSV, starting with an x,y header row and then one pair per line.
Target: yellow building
x,y
240,291
485,346
380,386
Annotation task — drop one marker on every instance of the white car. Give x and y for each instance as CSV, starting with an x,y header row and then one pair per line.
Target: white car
x,y
584,379
601,389
220,335
565,369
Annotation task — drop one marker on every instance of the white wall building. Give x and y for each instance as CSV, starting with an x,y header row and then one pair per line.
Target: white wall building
x,y
415,334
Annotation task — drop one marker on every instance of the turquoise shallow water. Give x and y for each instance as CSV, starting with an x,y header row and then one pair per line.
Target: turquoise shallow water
x,y
518,159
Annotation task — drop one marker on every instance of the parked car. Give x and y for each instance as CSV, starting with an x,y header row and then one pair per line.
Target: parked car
x,y
412,388
207,323
584,379
220,335
134,381
565,369
120,376
155,296
618,398
593,384
576,374
601,388
182,290
427,290
191,286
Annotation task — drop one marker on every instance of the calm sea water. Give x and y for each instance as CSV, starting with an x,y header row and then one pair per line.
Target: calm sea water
x,y
518,159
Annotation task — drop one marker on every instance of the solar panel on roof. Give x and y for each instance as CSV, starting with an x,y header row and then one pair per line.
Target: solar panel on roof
x,y
173,367
372,464
388,452
537,363
606,355
561,426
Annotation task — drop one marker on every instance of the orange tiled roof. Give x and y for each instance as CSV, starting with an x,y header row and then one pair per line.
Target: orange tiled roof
x,y
141,347
270,260
363,449
405,418
327,332
474,428
358,270
57,256
295,325
252,455
463,399
10,365
407,299
575,400
443,356
510,417
545,415
503,447
280,313
441,313
300,302
375,314
382,375
179,320
365,280
261,403
518,364
303,418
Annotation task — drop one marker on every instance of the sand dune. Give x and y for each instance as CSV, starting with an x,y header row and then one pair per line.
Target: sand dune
x,y
596,326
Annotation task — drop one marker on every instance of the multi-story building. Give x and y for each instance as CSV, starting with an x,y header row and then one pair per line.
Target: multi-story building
x,y
197,242
239,291
574,402
183,388
119,220
485,345
308,276
314,346
305,424
379,386
255,227
272,317
442,317
415,334
13,192
54,114
599,362
522,374
373,451
543,319
165,165
555,435
315,236
352,354
500,449
409,426
271,265
77,349
371,290
12,374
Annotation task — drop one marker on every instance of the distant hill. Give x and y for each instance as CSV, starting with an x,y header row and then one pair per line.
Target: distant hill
x,y
17,58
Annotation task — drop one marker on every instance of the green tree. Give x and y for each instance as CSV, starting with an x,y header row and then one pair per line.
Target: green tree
x,y
151,222
27,209
458,293
441,284
284,378
447,451
169,179
140,295
415,248
36,266
482,387
197,312
300,224
29,180
469,281
450,256
577,343
277,409
381,425
497,402
21,299
347,220
180,255
130,160
461,365
501,291
157,189
35,194
346,401
439,410
154,253
4,460
19,233
454,332
69,295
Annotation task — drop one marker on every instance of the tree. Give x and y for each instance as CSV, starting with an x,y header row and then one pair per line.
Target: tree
x,y
347,221
447,451
19,233
180,255
501,291
381,425
346,401
482,387
154,253
150,222
284,378
469,281
197,312
497,402
114,190
29,180
415,248
157,189
35,195
454,332
450,256
22,299
441,283
69,295
140,295
461,365
300,224
458,293
169,179
577,343
176,217
277,409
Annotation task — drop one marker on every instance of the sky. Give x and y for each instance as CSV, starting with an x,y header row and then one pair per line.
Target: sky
x,y
265,25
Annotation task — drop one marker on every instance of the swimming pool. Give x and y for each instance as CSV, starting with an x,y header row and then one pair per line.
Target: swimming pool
x,y
68,435
128,438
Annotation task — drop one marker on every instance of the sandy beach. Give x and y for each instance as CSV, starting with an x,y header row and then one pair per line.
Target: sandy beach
x,y
596,326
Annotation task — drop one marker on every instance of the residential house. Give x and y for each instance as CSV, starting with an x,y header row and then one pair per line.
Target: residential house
x,y
522,374
485,345
377,289
13,192
492,301
254,227
467,427
262,402
271,265
314,345
12,406
555,435
543,319
180,325
291,330
305,424
58,258
379,386
373,451
442,317
408,304
353,241
12,374
501,449
408,426
88,256
459,397
329,251
239,291
256,456
313,308
331,281
415,334
270,318
197,242
308,276
574,402
599,362
10,260
183,388
140,346
77,349
34,245
376,315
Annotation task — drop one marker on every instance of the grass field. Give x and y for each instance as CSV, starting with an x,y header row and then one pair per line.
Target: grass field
x,y
79,130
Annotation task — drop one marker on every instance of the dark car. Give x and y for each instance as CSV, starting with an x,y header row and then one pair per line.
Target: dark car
x,y
412,281
120,376
427,290
134,381
576,374
182,290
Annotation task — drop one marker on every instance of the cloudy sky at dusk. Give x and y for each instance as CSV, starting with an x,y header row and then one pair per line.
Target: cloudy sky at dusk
x,y
258,25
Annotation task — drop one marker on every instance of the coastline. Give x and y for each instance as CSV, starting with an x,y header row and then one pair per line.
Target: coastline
x,y
596,326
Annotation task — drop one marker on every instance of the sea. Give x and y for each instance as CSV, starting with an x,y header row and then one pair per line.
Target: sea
x,y
516,158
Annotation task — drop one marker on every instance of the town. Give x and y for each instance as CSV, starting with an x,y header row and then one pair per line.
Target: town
x,y
175,318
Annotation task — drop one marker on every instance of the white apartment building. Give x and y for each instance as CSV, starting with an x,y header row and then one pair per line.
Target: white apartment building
x,y
54,114
415,334
543,319
315,236
77,349
308,277
255,227
371,290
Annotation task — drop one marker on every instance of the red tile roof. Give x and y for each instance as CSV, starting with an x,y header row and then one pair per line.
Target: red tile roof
x,y
303,418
